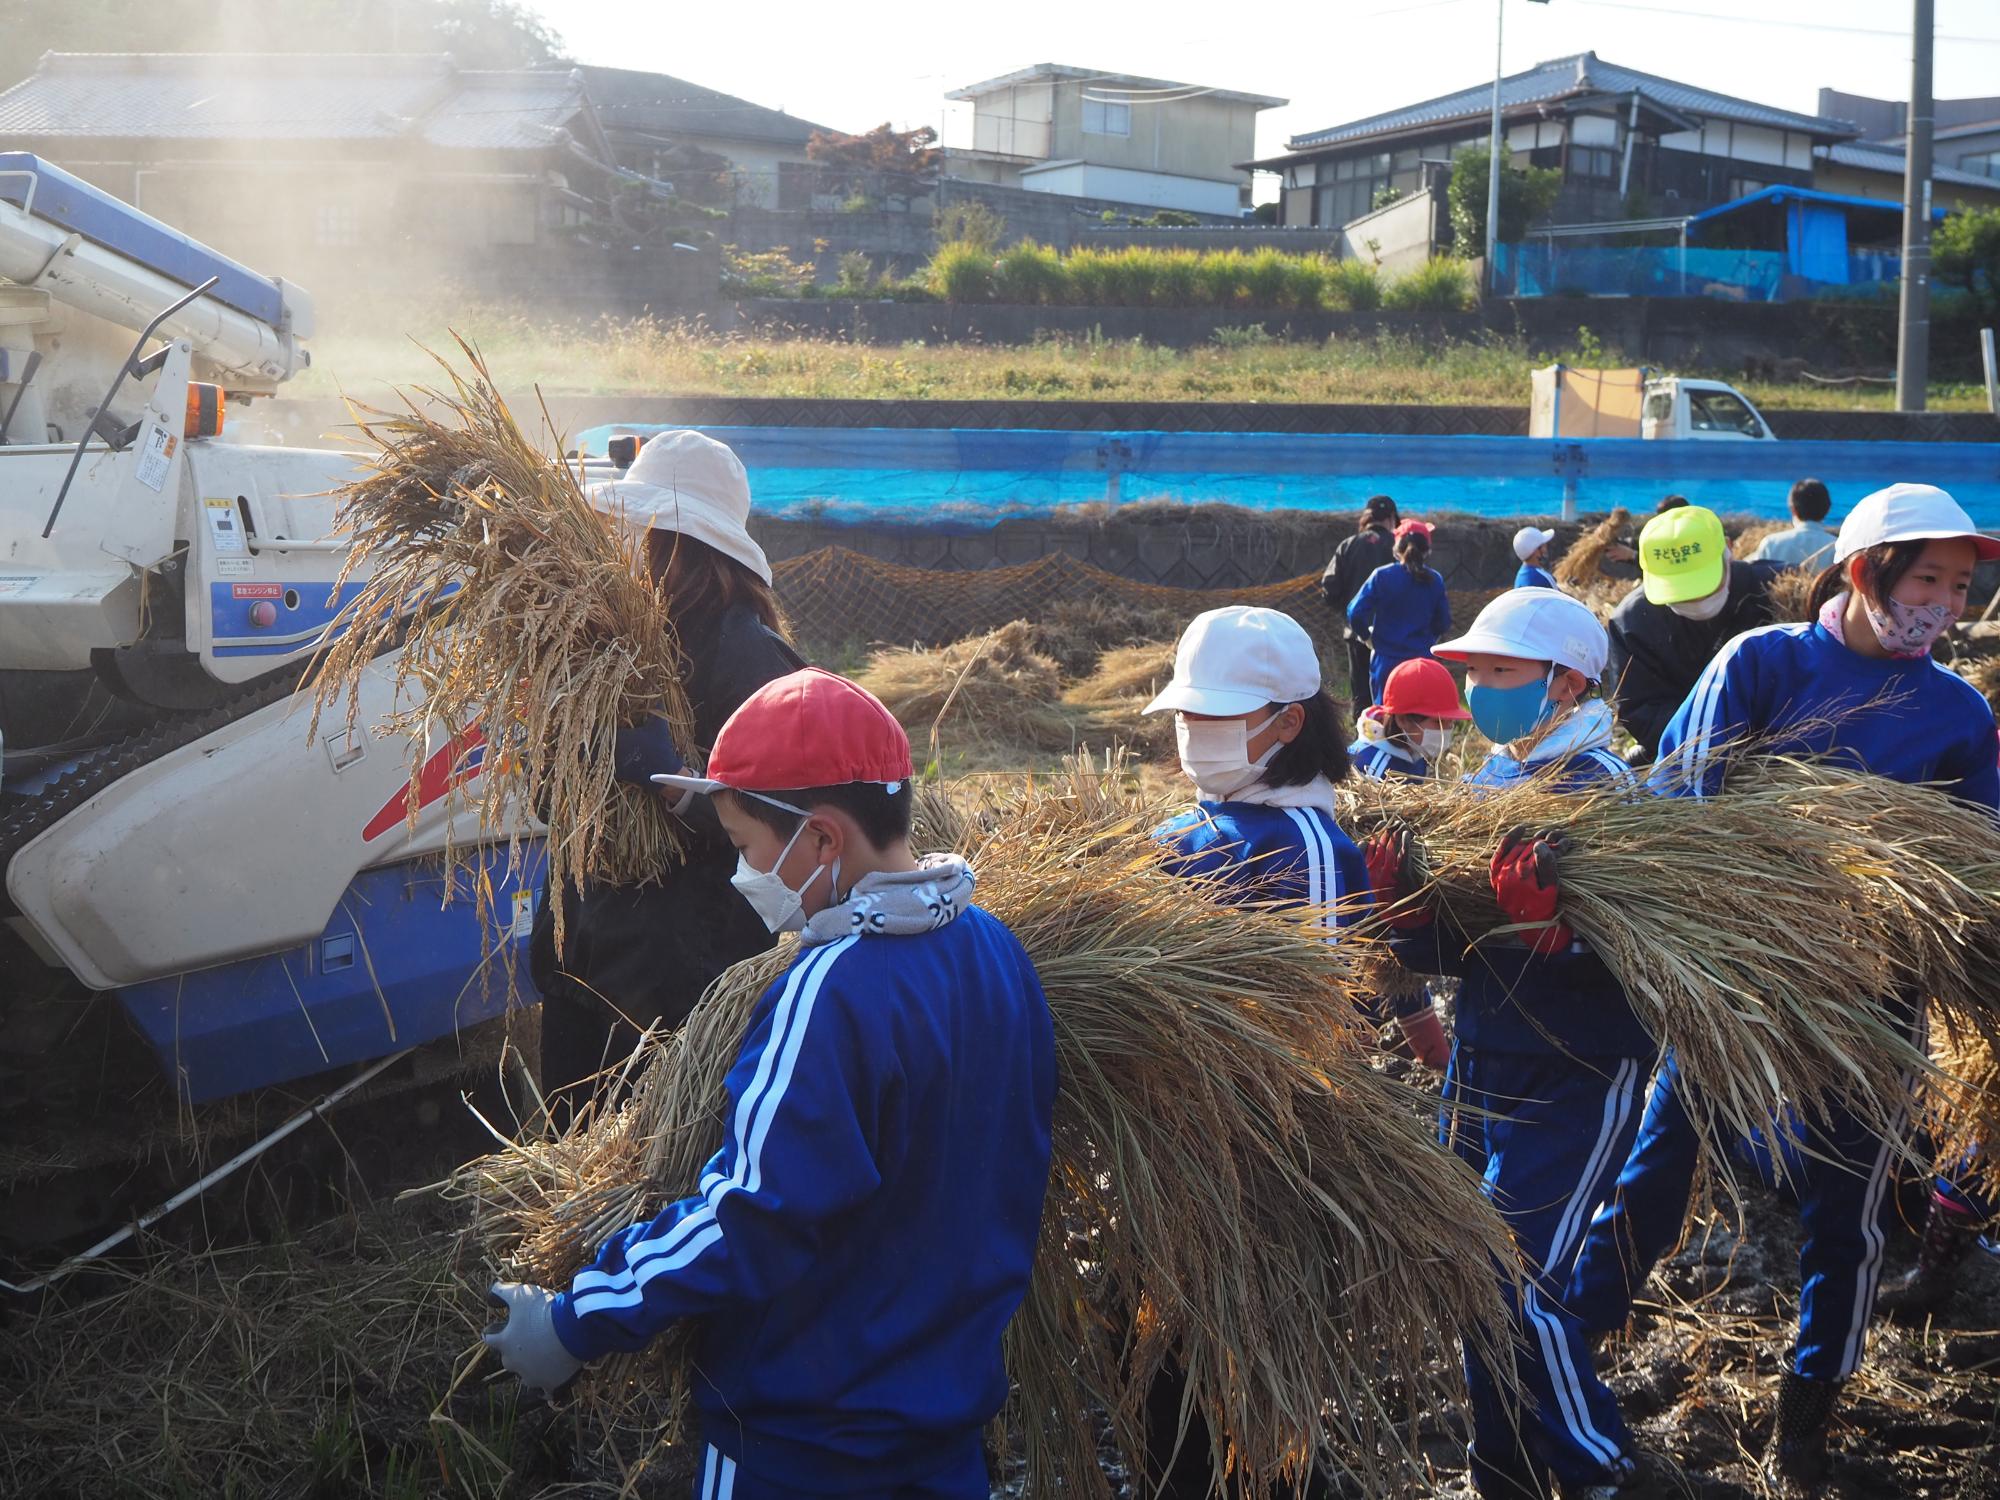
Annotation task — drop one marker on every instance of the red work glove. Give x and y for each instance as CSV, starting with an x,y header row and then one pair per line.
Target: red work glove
x,y
1424,1033
1523,873
1389,880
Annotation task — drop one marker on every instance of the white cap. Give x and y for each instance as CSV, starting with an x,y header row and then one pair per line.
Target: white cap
x,y
688,483
1531,539
1908,513
1236,660
1538,625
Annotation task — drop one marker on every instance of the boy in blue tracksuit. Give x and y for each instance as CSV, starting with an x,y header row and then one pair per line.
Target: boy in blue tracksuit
x,y
857,1246
1549,1057
1531,545
1403,607
1856,686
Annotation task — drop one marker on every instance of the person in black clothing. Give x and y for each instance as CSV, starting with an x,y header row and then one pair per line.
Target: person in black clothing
x,y
1659,648
1372,546
639,955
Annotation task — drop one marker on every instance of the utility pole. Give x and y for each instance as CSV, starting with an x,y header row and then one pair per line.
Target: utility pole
x,y
1493,144
1913,331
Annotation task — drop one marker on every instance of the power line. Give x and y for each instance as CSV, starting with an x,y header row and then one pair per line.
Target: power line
x,y
1740,20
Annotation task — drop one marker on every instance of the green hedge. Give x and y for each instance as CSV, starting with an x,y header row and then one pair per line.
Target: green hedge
x,y
1142,276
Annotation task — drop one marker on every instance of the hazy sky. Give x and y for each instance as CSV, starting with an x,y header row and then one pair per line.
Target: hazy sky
x,y
852,66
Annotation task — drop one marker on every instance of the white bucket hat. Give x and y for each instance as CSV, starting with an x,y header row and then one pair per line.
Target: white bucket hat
x,y
1237,659
689,484
1536,625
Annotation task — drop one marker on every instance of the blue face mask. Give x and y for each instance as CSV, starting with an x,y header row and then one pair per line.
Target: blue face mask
x,y
1505,714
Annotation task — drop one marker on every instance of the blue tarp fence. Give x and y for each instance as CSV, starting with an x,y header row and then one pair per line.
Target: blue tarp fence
x,y
1547,268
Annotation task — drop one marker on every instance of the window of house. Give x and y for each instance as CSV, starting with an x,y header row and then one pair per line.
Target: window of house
x,y
1743,187
1597,162
1101,117
1985,163
337,224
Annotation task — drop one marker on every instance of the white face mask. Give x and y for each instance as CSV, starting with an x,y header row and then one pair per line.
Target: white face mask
x,y
781,907
1705,609
1215,754
1433,742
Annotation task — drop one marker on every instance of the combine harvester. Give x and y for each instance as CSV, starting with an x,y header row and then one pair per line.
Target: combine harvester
x,y
200,903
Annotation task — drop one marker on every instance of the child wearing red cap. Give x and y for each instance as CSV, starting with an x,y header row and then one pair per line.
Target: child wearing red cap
x,y
1411,727
858,1245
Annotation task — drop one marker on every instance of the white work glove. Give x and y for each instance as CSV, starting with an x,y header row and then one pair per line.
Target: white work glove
x,y
527,1342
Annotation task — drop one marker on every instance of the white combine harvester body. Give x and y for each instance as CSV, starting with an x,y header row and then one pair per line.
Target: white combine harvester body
x,y
259,901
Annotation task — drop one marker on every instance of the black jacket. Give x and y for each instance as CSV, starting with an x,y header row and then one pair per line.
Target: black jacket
x,y
1656,655
650,950
1353,560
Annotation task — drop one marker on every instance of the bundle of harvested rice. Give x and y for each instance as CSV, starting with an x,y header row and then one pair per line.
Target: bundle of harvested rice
x,y
1604,595
1962,1105
1983,673
1791,594
525,617
1578,568
1078,633
1762,932
1234,1193
991,688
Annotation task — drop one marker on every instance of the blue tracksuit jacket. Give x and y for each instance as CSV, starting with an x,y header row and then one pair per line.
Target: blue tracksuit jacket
x,y
1548,1062
1909,720
1512,1000
1379,760
859,1243
1403,615
1528,576
1283,855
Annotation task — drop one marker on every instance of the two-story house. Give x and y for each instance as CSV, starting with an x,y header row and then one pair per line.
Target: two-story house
x,y
1629,145
1083,133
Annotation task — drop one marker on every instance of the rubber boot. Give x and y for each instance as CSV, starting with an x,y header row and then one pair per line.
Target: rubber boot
x,y
1797,1461
1949,1236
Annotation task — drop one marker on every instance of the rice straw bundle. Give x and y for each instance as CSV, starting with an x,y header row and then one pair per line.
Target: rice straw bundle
x,y
1578,568
1791,594
1962,1106
1126,680
523,614
1759,931
995,687
1235,1192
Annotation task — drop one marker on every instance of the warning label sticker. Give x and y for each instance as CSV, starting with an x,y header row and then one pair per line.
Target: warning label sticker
x,y
17,583
524,914
256,591
225,530
156,454
234,567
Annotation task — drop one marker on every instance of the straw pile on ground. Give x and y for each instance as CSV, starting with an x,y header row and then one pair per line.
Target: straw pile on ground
x,y
1760,931
1234,1190
995,688
1116,694
1077,634
524,615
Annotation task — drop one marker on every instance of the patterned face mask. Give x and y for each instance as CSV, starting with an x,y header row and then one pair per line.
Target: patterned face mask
x,y
1906,629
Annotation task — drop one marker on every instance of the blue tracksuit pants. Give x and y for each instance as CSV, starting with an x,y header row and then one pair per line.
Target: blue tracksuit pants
x,y
963,1479
1550,1144
1842,1183
1378,673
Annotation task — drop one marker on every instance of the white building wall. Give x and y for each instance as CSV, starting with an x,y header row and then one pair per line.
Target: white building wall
x,y
1123,185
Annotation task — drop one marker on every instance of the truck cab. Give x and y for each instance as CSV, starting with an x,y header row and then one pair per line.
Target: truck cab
x,y
1705,410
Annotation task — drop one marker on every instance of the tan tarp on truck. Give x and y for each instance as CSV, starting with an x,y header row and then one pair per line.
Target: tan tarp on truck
x,y
1572,402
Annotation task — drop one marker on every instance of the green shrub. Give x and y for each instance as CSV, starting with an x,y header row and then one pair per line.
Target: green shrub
x,y
1351,286
968,223
1179,280
1029,273
1305,282
1219,279
1088,276
1440,285
962,272
1264,278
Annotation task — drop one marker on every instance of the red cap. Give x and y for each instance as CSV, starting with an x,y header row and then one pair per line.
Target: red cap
x,y
811,728
1423,527
1422,686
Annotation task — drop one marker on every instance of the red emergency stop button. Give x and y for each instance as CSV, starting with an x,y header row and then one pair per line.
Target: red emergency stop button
x,y
264,614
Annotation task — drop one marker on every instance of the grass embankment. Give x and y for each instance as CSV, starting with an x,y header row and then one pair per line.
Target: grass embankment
x,y
647,357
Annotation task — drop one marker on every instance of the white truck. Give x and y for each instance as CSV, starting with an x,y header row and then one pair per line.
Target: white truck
x,y
1571,402
186,873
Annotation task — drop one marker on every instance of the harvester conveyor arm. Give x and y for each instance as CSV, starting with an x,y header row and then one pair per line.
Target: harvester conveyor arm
x,y
131,363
